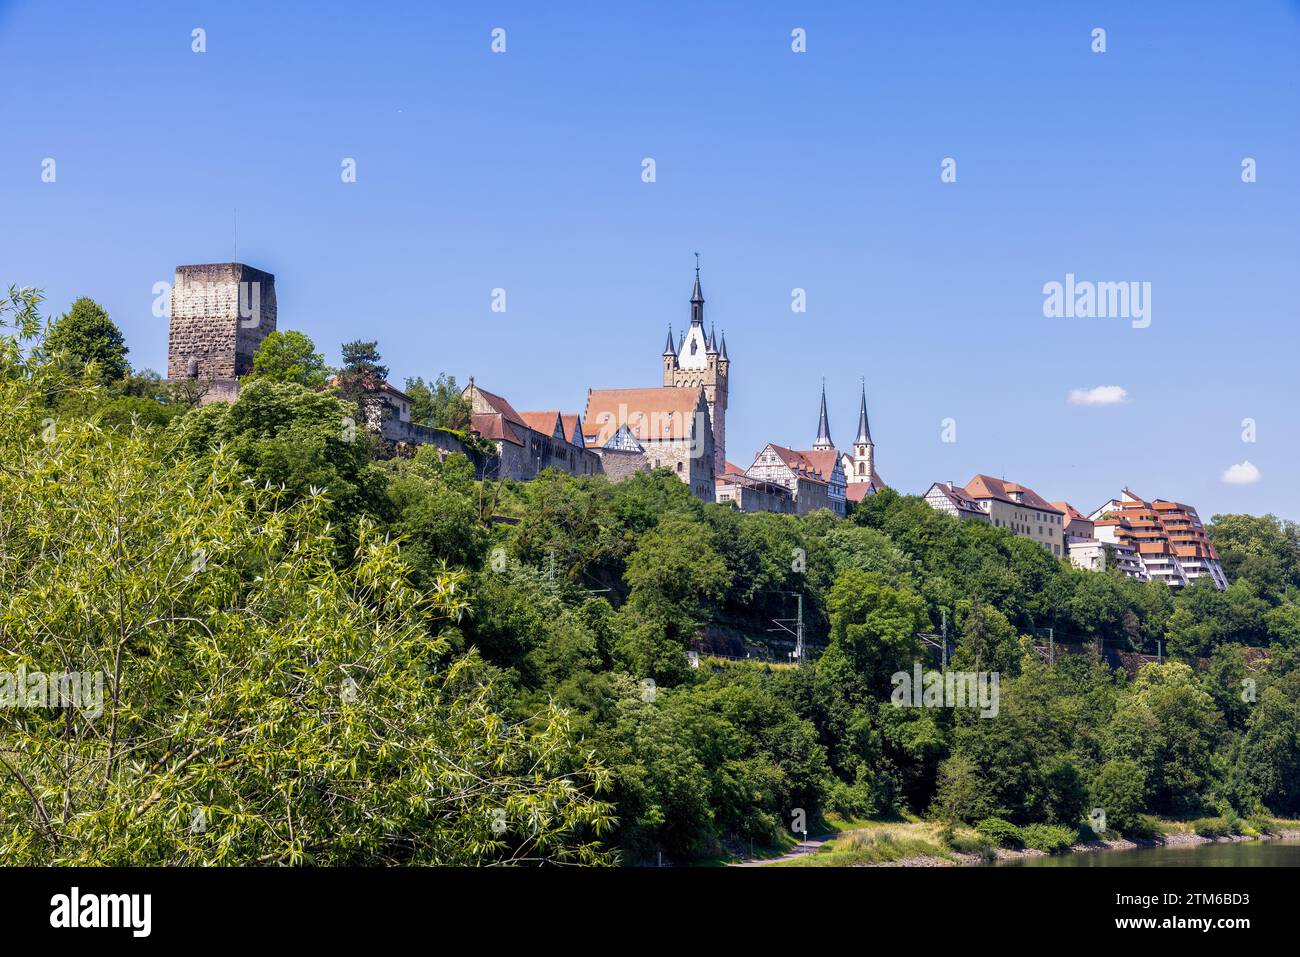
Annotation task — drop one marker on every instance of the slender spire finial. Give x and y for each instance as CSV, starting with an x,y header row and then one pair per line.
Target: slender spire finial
x,y
697,297
823,440
864,429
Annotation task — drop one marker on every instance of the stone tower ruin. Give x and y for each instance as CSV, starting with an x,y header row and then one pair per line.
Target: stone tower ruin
x,y
221,312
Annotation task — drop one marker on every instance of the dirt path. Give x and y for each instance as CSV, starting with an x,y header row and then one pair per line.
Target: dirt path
x,y
799,850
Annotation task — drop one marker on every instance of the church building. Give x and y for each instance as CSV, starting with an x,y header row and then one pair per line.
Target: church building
x,y
700,361
823,476
680,426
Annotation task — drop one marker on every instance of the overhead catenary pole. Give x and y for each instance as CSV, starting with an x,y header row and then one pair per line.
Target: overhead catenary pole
x,y
943,614
798,638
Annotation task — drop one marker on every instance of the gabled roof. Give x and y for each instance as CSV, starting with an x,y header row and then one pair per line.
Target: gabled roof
x,y
1072,514
823,461
818,464
651,415
857,491
957,496
494,426
573,429
985,486
547,423
496,403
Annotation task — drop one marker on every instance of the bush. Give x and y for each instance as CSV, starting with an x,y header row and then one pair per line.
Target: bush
x,y
968,843
1145,828
1048,838
1000,832
1261,824
1213,827
1120,790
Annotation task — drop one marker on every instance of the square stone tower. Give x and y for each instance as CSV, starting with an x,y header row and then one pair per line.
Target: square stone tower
x,y
221,312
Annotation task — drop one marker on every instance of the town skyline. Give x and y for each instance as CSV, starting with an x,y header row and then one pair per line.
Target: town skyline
x,y
932,290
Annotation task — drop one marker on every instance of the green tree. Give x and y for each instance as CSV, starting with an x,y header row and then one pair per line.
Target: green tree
x,y
259,702
675,575
85,336
289,356
1265,766
988,642
438,404
284,434
1169,727
363,374
1119,789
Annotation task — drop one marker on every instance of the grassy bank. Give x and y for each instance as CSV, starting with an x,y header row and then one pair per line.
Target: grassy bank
x,y
931,843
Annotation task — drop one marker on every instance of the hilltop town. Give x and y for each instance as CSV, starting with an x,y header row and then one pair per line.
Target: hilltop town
x,y
221,313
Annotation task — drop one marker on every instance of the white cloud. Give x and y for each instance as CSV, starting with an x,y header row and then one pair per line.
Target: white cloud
x,y
1242,474
1101,395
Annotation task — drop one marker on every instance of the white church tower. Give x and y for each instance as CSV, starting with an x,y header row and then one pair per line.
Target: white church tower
x,y
699,361
861,465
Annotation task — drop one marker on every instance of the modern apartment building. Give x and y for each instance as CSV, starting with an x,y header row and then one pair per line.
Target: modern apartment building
x,y
1168,538
1094,555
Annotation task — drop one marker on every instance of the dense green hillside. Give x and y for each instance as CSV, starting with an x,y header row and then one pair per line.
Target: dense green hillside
x,y
315,653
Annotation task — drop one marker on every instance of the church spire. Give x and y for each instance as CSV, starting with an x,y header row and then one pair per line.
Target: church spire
x,y
823,440
697,297
711,346
864,430
723,350
668,346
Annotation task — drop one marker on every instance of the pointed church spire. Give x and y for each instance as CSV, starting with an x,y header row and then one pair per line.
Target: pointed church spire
x,y
711,346
823,440
723,350
697,297
864,430
668,346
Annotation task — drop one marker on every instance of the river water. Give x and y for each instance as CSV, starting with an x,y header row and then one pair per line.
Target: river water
x,y
1279,853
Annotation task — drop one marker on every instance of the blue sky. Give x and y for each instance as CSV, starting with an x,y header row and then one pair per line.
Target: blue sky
x,y
818,170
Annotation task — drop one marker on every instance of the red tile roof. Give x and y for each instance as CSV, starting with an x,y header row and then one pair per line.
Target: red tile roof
x,y
572,428
494,426
985,486
818,464
1071,513
544,422
957,496
500,405
651,415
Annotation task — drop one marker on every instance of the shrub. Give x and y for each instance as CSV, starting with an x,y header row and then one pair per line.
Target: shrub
x,y
1120,790
1212,827
1048,838
1261,824
1000,832
968,843
1144,828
